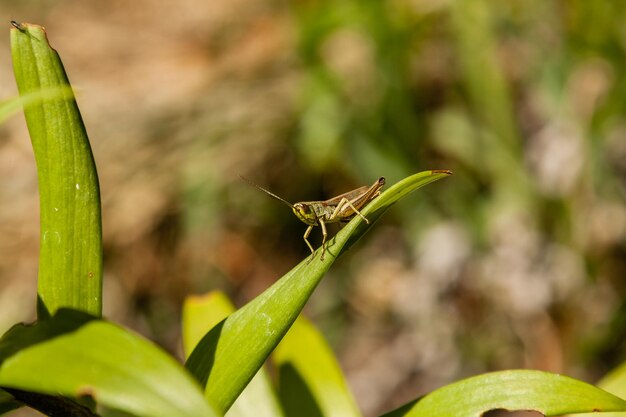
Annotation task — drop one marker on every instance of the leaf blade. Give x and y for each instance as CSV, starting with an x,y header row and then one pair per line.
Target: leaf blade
x,y
308,368
550,394
77,355
231,353
200,314
70,263
615,383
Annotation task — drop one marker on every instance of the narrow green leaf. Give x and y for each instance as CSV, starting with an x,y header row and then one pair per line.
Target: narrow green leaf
x,y
70,262
77,356
200,314
310,374
550,394
231,353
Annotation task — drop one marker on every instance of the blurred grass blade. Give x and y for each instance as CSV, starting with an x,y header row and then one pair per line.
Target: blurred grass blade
x,y
77,356
499,146
484,78
11,106
200,314
550,394
70,260
310,375
615,383
231,353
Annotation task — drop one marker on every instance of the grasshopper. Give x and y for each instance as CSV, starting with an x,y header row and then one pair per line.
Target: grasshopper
x,y
337,209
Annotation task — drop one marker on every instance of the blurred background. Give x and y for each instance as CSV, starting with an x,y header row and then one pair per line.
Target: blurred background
x,y
516,261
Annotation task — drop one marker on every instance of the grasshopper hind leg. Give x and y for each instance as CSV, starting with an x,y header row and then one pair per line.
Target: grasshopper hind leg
x,y
356,212
324,234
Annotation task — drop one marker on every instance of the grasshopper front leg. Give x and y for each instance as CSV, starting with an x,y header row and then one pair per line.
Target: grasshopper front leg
x,y
306,236
324,234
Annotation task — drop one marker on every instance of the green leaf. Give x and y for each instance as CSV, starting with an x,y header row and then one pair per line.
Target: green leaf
x,y
310,375
76,355
231,353
200,314
550,394
615,383
70,262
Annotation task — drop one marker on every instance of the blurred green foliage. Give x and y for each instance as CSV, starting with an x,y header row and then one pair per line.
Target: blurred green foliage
x,y
524,102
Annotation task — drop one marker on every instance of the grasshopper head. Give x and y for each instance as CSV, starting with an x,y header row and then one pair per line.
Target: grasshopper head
x,y
305,213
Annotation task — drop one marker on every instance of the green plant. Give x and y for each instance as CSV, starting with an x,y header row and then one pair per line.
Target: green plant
x,y
73,363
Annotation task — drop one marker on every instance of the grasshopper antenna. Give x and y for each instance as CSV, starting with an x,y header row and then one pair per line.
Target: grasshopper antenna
x,y
271,194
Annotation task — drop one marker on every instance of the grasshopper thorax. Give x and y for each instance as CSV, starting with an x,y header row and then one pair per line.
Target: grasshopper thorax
x,y
305,213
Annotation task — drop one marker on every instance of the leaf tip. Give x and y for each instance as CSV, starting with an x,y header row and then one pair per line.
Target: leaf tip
x,y
17,25
32,30
442,171
23,27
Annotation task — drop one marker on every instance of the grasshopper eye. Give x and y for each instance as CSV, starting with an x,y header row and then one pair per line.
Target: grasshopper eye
x,y
302,209
305,213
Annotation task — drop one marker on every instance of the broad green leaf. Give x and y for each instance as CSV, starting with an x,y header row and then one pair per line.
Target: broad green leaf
x,y
200,314
70,261
77,356
615,383
231,353
310,375
550,394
